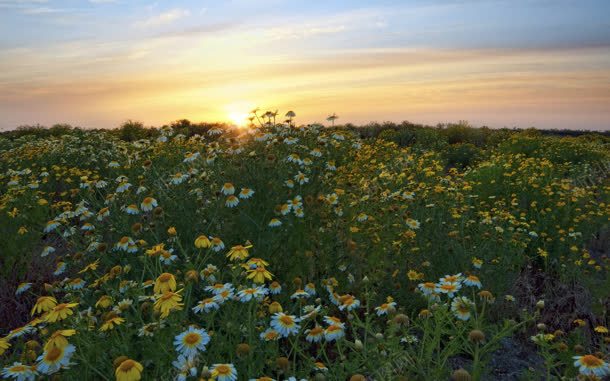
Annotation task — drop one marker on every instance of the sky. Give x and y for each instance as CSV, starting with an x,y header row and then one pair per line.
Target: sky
x,y
97,63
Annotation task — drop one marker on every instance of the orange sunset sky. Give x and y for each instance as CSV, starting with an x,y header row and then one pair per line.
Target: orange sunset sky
x,y
97,63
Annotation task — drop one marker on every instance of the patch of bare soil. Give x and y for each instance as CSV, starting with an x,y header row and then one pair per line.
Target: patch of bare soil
x,y
563,303
15,309
513,361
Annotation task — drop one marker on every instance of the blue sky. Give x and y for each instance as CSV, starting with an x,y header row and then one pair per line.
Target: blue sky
x,y
500,63
484,24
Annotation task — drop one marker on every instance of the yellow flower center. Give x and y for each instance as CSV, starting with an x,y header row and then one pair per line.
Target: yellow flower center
x,y
591,361
192,338
223,369
316,331
463,308
286,320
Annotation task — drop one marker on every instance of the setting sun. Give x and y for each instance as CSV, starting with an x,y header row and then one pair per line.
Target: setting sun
x,y
239,119
237,112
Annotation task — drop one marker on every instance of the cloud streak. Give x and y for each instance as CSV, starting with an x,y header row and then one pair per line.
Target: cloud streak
x,y
165,18
428,86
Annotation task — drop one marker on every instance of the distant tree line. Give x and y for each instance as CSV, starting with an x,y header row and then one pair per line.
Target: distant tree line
x,y
404,133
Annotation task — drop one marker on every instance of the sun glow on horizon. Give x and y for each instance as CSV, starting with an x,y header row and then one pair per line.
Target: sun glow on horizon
x,y
239,119
237,113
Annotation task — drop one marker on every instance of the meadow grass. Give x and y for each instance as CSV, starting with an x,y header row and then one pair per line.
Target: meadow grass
x,y
302,253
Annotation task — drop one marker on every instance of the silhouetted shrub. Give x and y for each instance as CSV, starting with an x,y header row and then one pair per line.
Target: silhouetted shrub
x,y
461,155
131,131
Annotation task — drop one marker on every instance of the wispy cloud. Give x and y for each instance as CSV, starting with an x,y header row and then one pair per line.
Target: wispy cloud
x,y
199,30
25,6
296,27
164,18
40,10
20,3
284,33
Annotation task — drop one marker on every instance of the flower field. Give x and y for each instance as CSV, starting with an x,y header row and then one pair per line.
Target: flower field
x,y
282,252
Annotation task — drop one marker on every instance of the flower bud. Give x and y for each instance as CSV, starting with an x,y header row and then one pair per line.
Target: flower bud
x,y
282,363
461,375
559,333
298,282
243,350
119,360
192,275
401,320
541,326
476,336
136,228
562,347
275,307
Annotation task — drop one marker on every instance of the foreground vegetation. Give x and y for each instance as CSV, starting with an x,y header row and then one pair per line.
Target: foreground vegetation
x,y
278,252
